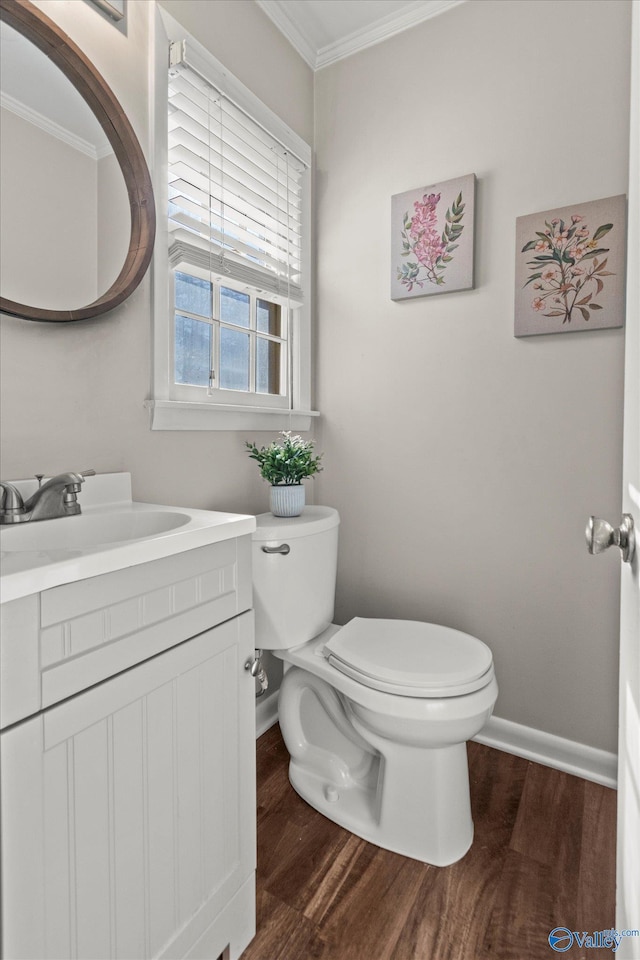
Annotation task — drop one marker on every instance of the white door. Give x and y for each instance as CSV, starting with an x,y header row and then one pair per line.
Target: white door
x,y
628,879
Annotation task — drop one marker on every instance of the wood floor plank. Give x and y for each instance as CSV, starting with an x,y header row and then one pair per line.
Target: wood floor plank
x,y
549,823
529,904
272,750
524,912
549,830
595,906
271,759
451,911
340,873
305,855
368,919
282,933
496,781
543,856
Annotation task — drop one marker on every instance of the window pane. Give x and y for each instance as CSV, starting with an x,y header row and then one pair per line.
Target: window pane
x,y
269,318
268,362
234,307
192,351
234,360
193,294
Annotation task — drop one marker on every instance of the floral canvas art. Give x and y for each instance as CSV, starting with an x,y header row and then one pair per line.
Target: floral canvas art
x,y
570,268
432,239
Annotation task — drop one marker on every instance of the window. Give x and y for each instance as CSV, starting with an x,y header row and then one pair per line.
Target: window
x,y
236,253
228,339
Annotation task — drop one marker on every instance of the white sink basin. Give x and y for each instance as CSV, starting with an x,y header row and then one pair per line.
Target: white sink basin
x,y
88,530
112,532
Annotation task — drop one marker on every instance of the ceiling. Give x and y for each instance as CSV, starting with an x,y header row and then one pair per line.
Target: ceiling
x,y
323,31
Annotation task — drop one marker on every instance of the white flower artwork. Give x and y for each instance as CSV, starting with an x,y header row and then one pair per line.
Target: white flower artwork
x,y
570,266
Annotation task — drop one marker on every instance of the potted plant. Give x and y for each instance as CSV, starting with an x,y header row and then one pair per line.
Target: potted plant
x,y
284,464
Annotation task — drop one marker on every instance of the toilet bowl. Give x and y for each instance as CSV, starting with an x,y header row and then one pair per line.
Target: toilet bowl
x,y
375,714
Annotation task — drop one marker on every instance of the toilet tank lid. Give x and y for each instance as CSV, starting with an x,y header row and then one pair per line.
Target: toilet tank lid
x,y
312,520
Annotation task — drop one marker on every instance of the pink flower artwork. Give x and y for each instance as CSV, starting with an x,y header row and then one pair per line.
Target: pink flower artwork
x,y
432,249
428,245
422,239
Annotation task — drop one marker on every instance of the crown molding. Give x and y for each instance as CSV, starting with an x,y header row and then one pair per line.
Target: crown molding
x,y
277,13
382,29
376,32
54,129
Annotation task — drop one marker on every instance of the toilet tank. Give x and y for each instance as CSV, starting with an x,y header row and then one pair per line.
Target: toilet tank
x,y
294,591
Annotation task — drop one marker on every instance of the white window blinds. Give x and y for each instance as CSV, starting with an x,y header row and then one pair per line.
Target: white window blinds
x,y
235,192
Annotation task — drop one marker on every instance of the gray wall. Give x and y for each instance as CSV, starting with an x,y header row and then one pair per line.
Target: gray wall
x,y
73,394
42,249
465,462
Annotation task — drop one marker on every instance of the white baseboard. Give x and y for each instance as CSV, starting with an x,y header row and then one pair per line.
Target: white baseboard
x,y
266,712
567,755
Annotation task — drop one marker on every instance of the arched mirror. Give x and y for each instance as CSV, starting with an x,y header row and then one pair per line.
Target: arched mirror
x,y
78,214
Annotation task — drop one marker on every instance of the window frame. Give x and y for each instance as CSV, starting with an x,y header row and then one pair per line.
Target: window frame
x,y
173,408
195,393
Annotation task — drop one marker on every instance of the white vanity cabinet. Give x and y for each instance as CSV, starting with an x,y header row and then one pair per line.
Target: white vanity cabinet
x,y
128,791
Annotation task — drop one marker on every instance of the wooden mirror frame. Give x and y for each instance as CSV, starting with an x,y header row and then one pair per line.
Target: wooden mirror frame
x,y
28,20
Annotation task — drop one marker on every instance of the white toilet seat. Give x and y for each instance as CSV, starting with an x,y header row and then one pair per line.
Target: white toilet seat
x,y
410,658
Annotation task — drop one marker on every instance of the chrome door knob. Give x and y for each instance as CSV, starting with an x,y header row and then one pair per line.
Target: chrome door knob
x,y
601,535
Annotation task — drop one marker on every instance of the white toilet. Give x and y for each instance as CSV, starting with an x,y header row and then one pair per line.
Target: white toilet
x,y
375,714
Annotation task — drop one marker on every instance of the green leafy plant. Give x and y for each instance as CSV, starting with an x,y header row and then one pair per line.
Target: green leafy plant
x,y
288,460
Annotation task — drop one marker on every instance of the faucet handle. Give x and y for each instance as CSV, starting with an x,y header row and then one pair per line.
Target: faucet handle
x,y
73,484
79,478
71,490
83,473
11,500
74,488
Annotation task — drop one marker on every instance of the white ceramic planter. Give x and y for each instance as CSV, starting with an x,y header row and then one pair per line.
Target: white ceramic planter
x,y
287,500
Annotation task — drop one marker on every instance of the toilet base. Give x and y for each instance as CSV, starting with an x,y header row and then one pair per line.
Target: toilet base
x,y
355,810
412,799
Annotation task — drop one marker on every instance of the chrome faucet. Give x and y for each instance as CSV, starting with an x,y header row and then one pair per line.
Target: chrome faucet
x,y
57,497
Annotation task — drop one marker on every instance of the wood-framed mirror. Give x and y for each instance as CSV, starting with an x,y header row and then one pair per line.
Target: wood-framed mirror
x,y
136,201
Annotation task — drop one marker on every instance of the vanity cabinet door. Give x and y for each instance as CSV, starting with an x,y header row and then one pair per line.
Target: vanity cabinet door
x,y
128,812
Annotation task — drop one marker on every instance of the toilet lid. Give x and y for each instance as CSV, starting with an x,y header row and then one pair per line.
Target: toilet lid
x,y
410,658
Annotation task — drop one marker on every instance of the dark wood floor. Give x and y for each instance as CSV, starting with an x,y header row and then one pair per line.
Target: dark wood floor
x,y
543,856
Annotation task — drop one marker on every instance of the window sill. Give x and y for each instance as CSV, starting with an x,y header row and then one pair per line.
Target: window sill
x,y
181,415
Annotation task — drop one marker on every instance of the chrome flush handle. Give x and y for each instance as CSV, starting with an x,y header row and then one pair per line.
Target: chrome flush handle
x,y
283,549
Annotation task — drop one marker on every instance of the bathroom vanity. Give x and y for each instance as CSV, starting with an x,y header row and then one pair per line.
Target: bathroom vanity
x,y
128,733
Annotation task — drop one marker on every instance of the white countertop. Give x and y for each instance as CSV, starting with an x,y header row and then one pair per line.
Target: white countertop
x,y
24,572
